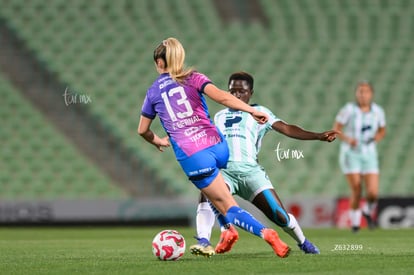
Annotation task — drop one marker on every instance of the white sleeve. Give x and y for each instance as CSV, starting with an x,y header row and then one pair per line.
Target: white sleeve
x,y
272,117
381,117
343,114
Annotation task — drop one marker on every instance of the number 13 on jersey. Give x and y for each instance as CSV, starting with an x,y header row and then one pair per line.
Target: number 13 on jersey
x,y
182,100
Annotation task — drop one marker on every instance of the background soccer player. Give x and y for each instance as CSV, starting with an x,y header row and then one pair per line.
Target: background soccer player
x,y
244,176
363,125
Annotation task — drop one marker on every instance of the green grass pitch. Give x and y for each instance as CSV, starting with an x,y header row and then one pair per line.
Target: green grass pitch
x,y
127,250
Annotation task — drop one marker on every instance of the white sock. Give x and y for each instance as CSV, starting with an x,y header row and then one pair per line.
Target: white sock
x,y
204,220
369,207
294,230
355,217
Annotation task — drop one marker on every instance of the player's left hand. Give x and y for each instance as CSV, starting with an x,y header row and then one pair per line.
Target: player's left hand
x,y
329,136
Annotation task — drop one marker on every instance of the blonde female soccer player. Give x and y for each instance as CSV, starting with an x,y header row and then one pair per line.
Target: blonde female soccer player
x,y
177,97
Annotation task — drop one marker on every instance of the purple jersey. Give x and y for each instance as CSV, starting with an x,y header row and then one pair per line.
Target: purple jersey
x,y
183,113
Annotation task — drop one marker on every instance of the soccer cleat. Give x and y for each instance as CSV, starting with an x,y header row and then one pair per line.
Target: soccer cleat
x,y
202,248
227,239
279,247
309,248
355,229
370,221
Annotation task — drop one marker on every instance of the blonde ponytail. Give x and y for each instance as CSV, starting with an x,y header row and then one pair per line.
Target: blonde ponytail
x,y
174,59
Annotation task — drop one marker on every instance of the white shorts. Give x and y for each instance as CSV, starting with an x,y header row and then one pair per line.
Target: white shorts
x,y
246,180
357,162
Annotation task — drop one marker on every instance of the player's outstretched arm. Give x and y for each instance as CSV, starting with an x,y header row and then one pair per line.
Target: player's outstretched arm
x,y
297,132
233,102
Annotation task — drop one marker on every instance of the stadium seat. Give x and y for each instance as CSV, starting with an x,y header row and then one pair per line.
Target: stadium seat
x,y
37,158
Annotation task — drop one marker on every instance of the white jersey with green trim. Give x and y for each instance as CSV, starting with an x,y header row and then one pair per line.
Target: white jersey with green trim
x,y
242,132
360,125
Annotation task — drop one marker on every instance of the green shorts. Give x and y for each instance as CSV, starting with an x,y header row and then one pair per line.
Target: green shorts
x,y
357,162
246,179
